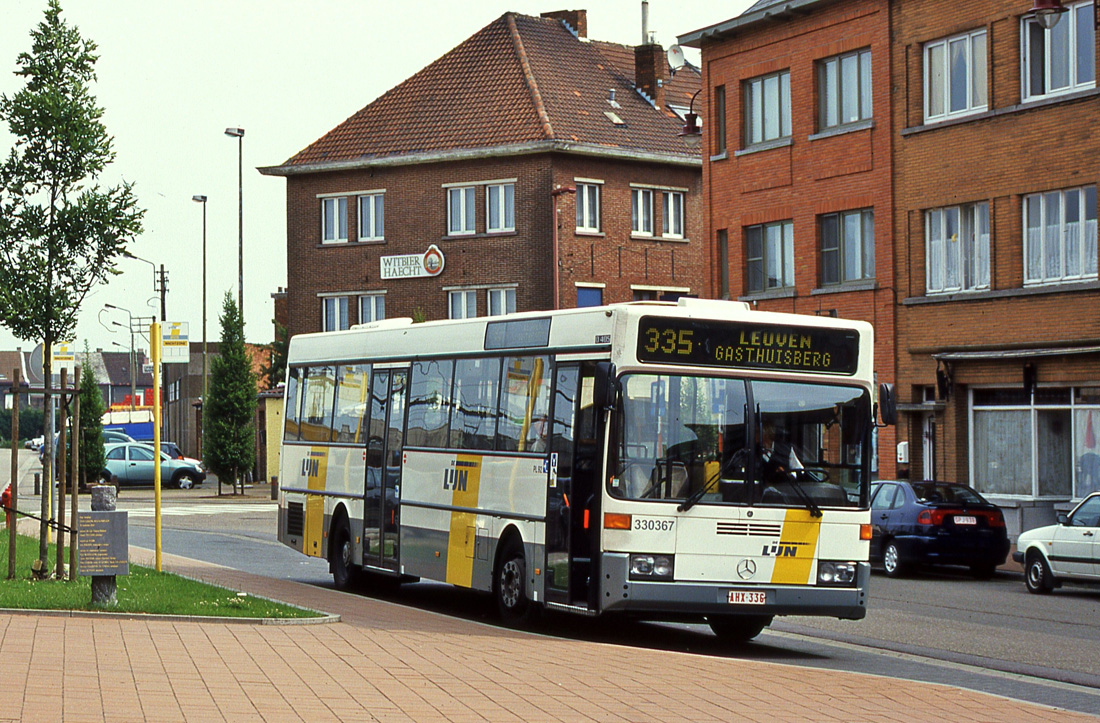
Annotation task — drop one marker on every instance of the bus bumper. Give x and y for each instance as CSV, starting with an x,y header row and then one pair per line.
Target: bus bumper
x,y
680,599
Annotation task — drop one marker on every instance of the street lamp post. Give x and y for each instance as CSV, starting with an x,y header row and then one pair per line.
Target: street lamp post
x,y
130,326
238,133
198,198
160,284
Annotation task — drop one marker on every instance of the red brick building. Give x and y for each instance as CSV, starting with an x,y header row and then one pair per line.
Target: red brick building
x,y
996,167
797,165
527,168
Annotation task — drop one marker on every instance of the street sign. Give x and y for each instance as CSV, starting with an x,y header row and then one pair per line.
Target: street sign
x,y
64,356
175,346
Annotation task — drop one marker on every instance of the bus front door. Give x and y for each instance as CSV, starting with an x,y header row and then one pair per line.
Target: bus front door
x,y
383,484
573,496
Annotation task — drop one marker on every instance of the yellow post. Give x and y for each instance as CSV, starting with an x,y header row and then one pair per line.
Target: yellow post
x,y
154,351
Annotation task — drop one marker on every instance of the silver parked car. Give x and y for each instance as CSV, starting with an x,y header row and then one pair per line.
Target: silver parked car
x,y
1066,551
132,464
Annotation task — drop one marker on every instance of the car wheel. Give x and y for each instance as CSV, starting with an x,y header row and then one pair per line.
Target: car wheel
x,y
510,586
738,629
345,573
891,560
1037,575
984,571
184,481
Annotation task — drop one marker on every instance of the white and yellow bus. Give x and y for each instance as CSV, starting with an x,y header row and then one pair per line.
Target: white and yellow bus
x,y
679,461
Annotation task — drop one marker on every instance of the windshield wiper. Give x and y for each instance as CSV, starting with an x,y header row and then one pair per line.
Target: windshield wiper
x,y
815,511
698,494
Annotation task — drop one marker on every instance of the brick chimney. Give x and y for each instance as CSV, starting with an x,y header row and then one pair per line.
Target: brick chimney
x,y
651,72
576,19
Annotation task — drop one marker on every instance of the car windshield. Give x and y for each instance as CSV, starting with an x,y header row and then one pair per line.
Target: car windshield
x,y
939,492
712,440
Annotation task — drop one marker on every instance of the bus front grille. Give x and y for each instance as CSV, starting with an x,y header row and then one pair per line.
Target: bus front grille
x,y
752,529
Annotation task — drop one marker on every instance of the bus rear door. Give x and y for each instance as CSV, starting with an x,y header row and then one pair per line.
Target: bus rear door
x,y
383,468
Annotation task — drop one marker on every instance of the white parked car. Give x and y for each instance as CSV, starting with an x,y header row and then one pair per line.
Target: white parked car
x,y
1069,550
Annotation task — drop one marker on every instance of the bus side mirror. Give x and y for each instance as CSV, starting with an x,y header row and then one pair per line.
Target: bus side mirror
x,y
887,405
604,385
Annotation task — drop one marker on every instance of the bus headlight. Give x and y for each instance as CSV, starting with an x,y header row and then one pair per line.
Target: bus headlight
x,y
836,574
651,567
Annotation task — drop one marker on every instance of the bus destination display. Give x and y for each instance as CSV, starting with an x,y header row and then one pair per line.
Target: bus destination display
x,y
668,340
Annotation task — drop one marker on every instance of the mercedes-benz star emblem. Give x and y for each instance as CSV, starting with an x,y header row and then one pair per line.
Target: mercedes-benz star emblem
x,y
746,569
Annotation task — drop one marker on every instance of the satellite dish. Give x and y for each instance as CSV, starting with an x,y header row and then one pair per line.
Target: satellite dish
x,y
676,58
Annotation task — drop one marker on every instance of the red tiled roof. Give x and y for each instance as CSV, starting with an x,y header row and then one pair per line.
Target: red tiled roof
x,y
519,81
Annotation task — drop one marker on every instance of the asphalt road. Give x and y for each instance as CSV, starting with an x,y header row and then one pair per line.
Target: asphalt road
x,y
941,627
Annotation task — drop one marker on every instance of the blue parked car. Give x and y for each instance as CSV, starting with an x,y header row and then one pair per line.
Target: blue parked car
x,y
935,523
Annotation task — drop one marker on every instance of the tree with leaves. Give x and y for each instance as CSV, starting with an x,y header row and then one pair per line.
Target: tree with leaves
x,y
229,430
60,231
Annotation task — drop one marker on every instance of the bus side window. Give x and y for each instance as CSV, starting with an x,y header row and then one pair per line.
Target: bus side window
x,y
351,400
474,419
317,397
293,404
429,403
524,402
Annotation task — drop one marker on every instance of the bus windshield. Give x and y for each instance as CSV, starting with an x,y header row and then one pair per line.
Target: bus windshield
x,y
713,440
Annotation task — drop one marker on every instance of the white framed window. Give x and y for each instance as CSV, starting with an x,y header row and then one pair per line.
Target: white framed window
x,y
672,223
1060,236
588,207
957,248
768,108
500,212
502,301
844,87
460,211
955,76
769,254
334,313
372,217
463,303
847,246
641,211
334,220
1062,59
372,307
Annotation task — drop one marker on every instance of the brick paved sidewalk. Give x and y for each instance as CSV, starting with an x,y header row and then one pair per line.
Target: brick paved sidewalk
x,y
393,663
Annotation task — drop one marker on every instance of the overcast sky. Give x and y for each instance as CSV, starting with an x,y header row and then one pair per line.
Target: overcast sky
x,y
173,75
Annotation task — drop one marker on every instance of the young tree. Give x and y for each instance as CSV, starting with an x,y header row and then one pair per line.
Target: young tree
x,y
92,407
229,411
60,232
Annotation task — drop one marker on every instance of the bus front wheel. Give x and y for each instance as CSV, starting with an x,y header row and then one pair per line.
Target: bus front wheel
x,y
738,628
510,585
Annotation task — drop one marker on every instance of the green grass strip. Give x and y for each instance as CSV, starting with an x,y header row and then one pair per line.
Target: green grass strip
x,y
144,590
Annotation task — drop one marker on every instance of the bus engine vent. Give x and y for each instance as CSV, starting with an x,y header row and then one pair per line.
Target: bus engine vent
x,y
753,529
295,519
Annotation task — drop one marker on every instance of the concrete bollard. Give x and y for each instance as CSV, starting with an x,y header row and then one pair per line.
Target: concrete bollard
x,y
37,484
275,487
104,587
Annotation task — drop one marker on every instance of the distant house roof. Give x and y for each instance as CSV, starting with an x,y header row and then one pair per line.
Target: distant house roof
x,y
519,85
116,364
762,10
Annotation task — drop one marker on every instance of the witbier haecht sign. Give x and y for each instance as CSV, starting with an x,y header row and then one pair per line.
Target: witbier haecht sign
x,y
411,266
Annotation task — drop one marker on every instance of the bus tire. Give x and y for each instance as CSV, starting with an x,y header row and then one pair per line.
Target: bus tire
x,y
345,573
510,585
738,629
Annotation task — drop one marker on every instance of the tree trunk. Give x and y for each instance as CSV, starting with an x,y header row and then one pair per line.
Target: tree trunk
x,y
47,460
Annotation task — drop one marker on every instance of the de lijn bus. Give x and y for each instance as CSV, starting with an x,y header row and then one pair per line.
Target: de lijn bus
x,y
693,461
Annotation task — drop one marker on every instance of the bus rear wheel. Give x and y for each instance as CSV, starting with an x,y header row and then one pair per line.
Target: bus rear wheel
x,y
738,628
510,586
344,572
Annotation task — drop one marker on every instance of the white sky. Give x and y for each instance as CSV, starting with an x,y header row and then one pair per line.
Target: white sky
x,y
172,75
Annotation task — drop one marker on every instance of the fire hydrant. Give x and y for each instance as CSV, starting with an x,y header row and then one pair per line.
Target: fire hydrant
x,y
5,502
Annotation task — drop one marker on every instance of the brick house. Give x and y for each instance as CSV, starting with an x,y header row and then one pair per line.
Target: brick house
x,y
528,168
797,165
995,181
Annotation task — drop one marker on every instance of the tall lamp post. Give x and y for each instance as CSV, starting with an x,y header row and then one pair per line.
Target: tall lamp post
x,y
202,199
160,281
130,326
238,133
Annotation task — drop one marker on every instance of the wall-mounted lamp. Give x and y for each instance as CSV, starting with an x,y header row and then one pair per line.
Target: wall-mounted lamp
x,y
1048,12
692,133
